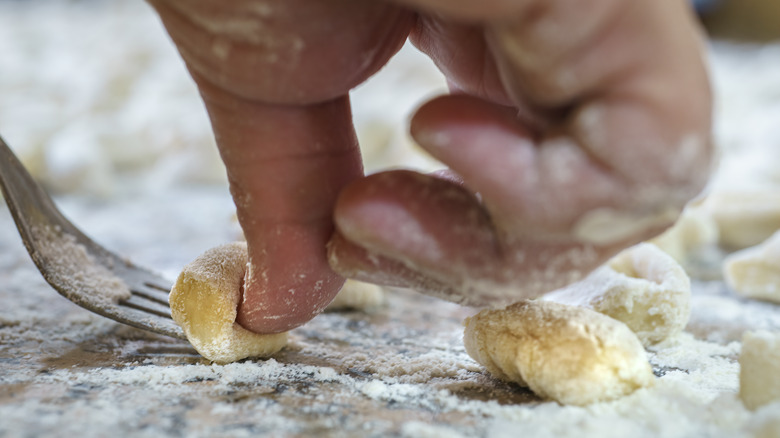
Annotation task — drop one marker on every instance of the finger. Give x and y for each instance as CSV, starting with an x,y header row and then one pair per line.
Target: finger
x,y
528,189
410,230
460,52
354,261
468,10
286,166
268,51
426,223
618,78
615,138
448,175
615,81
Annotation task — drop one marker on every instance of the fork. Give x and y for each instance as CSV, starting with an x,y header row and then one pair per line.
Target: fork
x,y
77,267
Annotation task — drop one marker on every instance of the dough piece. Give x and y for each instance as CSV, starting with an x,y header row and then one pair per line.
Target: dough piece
x,y
642,287
759,369
694,231
744,218
755,272
357,295
570,354
204,302
766,423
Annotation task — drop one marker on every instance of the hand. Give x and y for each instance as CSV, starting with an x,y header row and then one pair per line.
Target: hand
x,y
578,129
593,101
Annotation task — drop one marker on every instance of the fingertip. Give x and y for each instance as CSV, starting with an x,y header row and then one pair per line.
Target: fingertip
x,y
286,167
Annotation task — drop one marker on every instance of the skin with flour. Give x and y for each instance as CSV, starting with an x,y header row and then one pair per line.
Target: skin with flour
x,y
562,135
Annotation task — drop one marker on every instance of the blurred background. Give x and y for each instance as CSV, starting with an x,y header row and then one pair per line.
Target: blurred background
x,y
745,20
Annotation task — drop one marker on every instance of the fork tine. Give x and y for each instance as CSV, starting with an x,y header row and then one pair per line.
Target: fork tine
x,y
140,302
151,294
144,282
141,318
166,289
33,210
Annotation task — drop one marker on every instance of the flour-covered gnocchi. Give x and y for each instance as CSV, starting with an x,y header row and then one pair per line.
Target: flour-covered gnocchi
x,y
642,287
570,354
204,302
755,272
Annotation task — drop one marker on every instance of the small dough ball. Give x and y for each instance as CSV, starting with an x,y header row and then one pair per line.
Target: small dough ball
x,y
643,287
569,354
204,302
694,230
755,272
357,295
744,218
759,369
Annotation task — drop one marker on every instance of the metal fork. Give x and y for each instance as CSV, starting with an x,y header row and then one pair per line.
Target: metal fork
x,y
77,267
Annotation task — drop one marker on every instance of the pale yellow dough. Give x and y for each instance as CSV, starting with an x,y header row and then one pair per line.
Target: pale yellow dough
x,y
204,302
643,287
755,272
357,295
570,354
744,218
694,230
759,369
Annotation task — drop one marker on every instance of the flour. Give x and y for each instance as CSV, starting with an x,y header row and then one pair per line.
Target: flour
x,y
157,378
70,263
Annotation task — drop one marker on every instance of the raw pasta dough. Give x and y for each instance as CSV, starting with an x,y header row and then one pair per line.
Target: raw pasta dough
x,y
570,354
755,272
694,231
204,302
642,287
744,218
759,369
357,295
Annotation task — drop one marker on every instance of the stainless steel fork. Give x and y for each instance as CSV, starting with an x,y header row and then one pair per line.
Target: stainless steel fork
x,y
77,267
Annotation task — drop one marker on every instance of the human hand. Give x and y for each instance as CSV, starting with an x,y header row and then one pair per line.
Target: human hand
x,y
275,77
578,129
